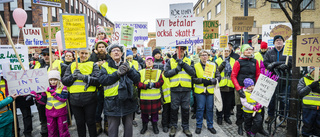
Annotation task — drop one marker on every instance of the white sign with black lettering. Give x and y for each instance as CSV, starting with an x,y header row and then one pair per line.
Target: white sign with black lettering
x,y
263,90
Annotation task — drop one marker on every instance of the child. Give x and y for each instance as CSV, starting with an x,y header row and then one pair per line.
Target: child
x,y
56,109
252,124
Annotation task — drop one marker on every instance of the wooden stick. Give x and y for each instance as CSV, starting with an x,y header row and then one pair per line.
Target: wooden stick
x,y
223,55
241,40
76,53
125,54
60,54
179,52
9,29
316,73
287,59
69,112
49,33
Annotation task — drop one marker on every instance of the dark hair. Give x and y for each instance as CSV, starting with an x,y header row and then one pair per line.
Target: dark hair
x,y
169,55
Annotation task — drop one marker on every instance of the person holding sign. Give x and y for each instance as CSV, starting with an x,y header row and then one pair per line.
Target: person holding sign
x,y
178,69
309,91
82,78
204,89
118,79
6,116
263,50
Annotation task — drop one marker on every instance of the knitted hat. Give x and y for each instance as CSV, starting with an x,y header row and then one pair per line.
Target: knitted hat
x,y
263,45
155,51
54,74
149,57
46,50
244,47
277,37
248,82
100,30
115,45
129,53
100,41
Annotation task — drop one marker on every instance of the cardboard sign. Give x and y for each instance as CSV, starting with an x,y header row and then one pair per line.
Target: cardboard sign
x,y
283,30
74,31
266,30
287,51
242,23
55,27
5,1
152,43
207,44
263,90
140,34
91,42
181,10
32,36
223,41
151,74
109,31
7,55
24,81
147,51
208,71
126,35
211,29
255,43
151,34
179,31
49,3
308,50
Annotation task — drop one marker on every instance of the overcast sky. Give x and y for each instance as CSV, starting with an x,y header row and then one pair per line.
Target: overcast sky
x,y
138,10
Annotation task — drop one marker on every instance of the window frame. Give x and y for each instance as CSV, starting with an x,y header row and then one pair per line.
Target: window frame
x,y
202,5
209,12
219,4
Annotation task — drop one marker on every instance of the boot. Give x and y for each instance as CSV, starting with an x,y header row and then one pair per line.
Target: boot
x,y
172,131
187,132
155,128
99,128
240,130
249,134
106,128
269,119
219,121
144,128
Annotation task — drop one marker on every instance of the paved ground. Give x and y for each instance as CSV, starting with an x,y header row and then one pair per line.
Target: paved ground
x,y
224,130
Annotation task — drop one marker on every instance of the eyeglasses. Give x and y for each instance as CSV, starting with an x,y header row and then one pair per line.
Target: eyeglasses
x,y
204,55
115,50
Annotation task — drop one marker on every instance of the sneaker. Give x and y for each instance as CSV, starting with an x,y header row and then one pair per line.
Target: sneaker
x,y
187,132
269,119
172,131
134,123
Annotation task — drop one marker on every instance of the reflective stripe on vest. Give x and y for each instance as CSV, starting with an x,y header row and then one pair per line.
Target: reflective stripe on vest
x,y
150,94
166,89
312,98
225,81
199,88
53,102
182,78
251,102
78,85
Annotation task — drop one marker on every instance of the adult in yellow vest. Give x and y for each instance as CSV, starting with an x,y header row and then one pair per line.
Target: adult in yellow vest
x,y
118,79
195,58
150,95
226,86
204,89
179,71
83,99
309,91
6,117
135,63
263,50
166,107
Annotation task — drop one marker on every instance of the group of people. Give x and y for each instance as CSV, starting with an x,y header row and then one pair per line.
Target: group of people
x,y
116,82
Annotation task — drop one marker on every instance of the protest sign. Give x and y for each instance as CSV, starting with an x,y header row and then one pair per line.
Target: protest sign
x,y
211,29
152,43
181,10
308,50
223,41
242,23
55,27
287,48
50,3
91,42
140,34
179,31
255,43
147,51
208,71
216,43
283,30
109,31
5,1
263,90
22,82
74,31
126,35
151,74
32,36
8,55
266,30
151,34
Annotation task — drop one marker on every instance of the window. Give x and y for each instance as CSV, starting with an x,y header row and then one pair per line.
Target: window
x,y
2,33
80,7
99,21
13,5
15,30
1,7
77,4
105,24
197,11
84,9
276,22
44,14
60,10
227,26
218,8
252,3
219,29
71,2
304,3
88,12
277,6
307,24
202,5
208,1
27,5
54,14
209,15
72,7
67,6
254,24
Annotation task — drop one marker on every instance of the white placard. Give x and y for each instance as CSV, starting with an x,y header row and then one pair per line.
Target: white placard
x,y
147,51
24,81
140,33
179,31
263,90
181,10
32,36
266,29
91,42
7,55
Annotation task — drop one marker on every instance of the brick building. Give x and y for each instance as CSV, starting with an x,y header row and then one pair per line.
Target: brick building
x,y
39,14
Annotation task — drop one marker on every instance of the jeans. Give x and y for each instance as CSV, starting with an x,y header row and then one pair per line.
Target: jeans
x,y
311,122
204,101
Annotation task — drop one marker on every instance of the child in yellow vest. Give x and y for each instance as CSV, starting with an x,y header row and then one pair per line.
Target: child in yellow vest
x,y
56,109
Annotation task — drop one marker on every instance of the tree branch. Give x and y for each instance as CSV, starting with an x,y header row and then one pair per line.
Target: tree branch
x,y
285,12
271,1
289,6
306,5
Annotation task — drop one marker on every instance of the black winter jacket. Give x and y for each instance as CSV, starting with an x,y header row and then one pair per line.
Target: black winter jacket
x,y
274,55
304,90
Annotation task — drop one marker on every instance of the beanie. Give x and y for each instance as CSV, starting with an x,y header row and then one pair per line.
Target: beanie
x,y
149,57
277,37
100,30
155,51
244,47
98,42
263,45
115,45
54,74
129,53
248,82
46,50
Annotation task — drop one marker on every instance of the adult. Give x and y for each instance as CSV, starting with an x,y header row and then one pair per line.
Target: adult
x,y
179,70
168,56
158,60
204,89
195,58
245,67
118,78
83,80
274,60
226,86
100,36
233,54
136,57
213,56
130,59
263,50
33,60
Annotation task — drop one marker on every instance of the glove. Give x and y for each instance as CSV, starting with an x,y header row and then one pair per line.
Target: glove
x,y
314,85
223,64
150,85
123,69
241,93
206,82
259,106
283,67
75,73
178,69
213,81
255,108
50,90
83,77
273,65
35,95
180,62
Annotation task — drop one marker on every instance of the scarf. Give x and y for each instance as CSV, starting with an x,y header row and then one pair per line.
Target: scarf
x,y
227,69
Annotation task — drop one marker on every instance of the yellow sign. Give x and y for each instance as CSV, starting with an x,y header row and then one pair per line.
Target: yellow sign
x,y
288,48
223,41
151,74
74,31
208,71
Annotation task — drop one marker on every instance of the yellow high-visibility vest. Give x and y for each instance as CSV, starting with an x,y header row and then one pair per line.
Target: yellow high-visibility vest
x,y
258,57
79,85
250,101
135,64
312,98
3,85
56,63
166,89
53,102
200,88
5,108
149,94
182,78
225,81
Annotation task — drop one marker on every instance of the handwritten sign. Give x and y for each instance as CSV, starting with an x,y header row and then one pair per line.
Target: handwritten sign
x,y
308,50
242,23
126,35
74,31
211,29
109,31
223,41
209,69
32,36
7,55
147,51
151,34
283,30
50,3
152,43
179,31
91,42
55,27
24,81
255,43
140,34
287,48
151,74
263,90
266,30
181,10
